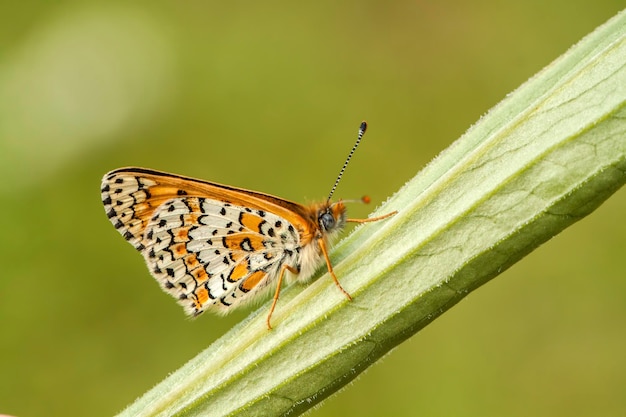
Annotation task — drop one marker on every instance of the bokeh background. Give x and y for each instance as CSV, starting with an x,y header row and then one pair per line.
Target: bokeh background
x,y
268,96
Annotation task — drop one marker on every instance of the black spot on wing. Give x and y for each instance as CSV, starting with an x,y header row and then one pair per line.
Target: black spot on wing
x,y
246,245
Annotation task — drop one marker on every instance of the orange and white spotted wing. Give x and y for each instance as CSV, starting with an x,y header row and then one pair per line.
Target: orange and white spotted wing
x,y
212,246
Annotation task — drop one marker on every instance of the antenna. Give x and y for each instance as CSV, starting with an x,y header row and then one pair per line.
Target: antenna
x,y
362,130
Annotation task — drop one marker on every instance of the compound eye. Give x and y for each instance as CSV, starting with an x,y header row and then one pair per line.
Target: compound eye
x,y
327,221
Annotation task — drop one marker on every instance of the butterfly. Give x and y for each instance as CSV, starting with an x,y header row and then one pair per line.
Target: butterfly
x,y
216,247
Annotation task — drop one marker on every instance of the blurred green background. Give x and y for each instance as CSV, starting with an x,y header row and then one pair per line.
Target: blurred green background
x,y
268,96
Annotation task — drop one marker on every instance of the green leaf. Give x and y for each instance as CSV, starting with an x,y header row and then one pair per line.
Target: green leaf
x,y
542,159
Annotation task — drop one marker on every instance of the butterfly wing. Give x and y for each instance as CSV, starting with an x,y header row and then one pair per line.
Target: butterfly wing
x,y
208,245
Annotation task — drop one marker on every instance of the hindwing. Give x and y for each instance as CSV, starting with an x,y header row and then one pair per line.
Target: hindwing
x,y
208,245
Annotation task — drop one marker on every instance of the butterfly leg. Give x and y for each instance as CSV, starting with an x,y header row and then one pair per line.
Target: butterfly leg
x,y
277,293
322,244
372,219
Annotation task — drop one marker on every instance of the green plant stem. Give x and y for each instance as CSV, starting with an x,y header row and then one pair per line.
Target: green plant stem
x,y
544,158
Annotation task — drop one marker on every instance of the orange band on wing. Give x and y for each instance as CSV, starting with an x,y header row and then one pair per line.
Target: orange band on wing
x,y
239,271
179,250
252,281
247,242
191,261
181,234
200,274
202,296
251,221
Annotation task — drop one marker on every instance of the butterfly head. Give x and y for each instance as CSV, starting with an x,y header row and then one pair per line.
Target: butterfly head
x,y
331,218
